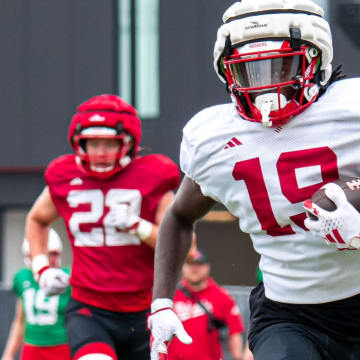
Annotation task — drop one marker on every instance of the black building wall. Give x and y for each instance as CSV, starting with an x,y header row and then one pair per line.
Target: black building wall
x,y
55,54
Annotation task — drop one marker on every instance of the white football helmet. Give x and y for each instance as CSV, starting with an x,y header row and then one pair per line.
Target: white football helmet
x,y
274,57
54,244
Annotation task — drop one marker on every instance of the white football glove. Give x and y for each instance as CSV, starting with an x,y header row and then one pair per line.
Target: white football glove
x,y
53,281
122,217
164,325
341,226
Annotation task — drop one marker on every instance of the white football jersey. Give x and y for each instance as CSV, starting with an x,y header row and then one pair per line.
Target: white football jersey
x,y
263,175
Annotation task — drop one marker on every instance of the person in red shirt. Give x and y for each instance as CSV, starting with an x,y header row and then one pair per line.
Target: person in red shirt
x,y
206,310
112,201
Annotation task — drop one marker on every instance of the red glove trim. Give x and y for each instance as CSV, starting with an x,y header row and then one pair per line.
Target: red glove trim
x,y
42,270
148,315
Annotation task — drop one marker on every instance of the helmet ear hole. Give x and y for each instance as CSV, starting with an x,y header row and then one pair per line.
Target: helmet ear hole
x,y
119,128
130,140
82,144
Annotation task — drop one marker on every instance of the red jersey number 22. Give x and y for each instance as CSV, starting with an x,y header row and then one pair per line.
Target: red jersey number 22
x,y
98,231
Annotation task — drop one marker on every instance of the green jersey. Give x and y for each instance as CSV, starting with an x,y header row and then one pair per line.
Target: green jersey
x,y
44,315
259,275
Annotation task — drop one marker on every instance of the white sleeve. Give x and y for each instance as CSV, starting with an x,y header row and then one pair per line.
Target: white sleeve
x,y
186,156
193,161
201,141
193,136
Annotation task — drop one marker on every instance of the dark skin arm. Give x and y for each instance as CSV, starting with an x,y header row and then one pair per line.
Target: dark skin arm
x,y
175,235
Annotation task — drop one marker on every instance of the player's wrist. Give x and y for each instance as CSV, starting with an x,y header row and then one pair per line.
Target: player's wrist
x,y
160,304
144,229
39,264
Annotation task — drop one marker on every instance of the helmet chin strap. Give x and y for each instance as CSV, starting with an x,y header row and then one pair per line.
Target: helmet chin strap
x,y
267,103
100,169
124,161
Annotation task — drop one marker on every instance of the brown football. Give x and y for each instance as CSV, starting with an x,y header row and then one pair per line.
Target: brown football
x,y
351,187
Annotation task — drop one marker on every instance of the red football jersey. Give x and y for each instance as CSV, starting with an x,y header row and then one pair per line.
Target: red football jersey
x,y
206,345
111,269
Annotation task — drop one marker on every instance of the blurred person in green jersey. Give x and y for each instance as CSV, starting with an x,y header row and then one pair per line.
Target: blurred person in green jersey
x,y
38,323
259,275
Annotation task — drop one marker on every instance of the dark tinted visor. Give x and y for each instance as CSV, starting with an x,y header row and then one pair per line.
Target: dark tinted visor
x,y
267,72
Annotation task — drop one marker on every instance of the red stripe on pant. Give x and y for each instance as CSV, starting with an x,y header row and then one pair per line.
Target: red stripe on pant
x,y
96,348
56,352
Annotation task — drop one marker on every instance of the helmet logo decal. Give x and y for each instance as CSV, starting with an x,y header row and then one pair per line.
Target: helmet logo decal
x,y
97,117
255,25
258,45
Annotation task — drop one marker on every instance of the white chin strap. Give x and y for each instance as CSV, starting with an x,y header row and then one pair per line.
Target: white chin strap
x,y
267,103
123,162
101,169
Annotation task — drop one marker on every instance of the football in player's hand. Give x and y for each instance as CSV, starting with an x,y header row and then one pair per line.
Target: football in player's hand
x,y
351,187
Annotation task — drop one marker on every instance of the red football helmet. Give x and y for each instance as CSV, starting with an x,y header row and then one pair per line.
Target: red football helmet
x,y
108,117
270,81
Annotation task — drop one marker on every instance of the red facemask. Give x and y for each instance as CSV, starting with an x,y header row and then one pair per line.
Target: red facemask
x,y
270,82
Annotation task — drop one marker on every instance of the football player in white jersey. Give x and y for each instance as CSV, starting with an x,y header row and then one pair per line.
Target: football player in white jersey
x,y
292,127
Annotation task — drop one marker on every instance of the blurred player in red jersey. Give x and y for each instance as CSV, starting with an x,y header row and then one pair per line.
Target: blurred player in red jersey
x,y
206,310
112,201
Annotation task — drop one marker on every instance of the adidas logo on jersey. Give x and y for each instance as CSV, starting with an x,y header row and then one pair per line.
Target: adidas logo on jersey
x,y
76,181
232,143
96,117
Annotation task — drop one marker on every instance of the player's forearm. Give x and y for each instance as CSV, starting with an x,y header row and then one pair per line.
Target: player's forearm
x,y
163,205
175,236
15,340
38,222
248,355
152,238
174,241
12,346
236,346
37,235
